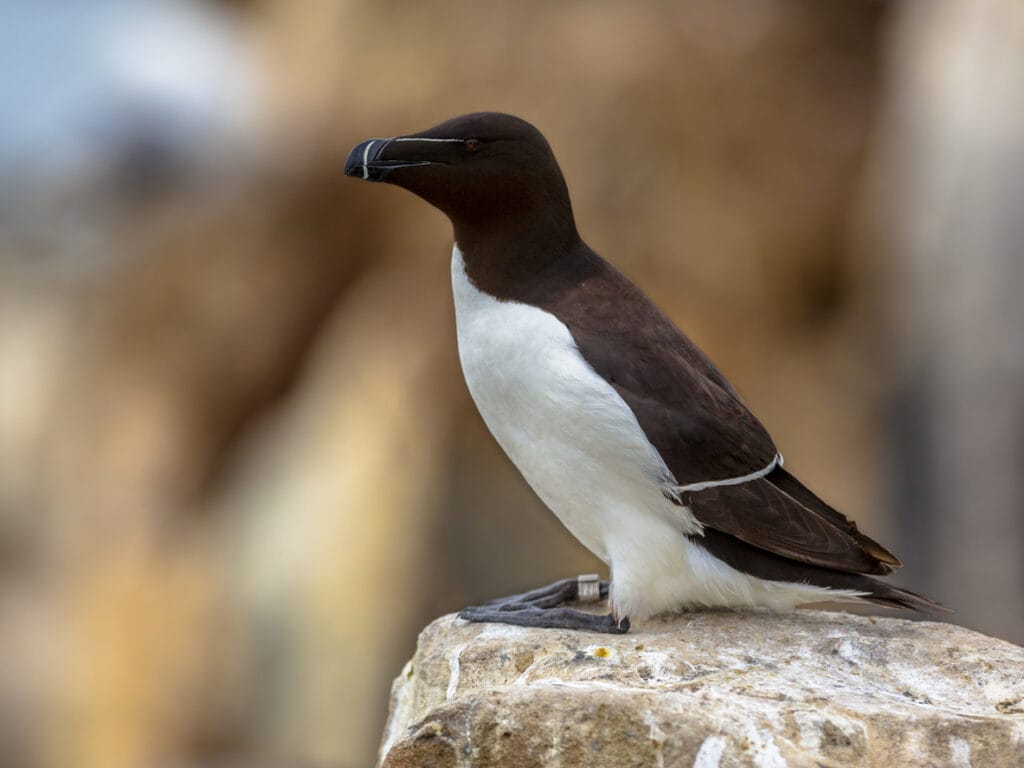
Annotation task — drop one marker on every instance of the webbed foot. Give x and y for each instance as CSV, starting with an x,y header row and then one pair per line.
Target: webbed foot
x,y
544,608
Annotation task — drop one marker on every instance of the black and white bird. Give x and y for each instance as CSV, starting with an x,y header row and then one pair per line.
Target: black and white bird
x,y
618,422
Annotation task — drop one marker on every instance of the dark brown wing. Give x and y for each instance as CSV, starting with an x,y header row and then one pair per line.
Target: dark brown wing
x,y
686,407
760,514
701,428
788,484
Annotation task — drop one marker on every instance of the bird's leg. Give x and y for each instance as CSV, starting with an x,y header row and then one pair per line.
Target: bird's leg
x,y
544,607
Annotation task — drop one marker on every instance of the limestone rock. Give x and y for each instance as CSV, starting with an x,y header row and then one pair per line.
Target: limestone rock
x,y
710,689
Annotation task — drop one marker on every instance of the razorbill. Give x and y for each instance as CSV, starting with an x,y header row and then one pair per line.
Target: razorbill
x,y
619,423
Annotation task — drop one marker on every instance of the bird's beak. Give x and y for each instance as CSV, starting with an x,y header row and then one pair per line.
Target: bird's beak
x,y
365,161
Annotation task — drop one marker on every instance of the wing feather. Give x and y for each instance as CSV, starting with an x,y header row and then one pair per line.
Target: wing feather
x,y
699,424
764,516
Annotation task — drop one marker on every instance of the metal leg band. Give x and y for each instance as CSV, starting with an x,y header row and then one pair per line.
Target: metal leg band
x,y
588,588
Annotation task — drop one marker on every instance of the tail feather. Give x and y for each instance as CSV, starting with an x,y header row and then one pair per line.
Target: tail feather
x,y
890,596
772,567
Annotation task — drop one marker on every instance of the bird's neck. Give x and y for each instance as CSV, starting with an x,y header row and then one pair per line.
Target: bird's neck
x,y
504,255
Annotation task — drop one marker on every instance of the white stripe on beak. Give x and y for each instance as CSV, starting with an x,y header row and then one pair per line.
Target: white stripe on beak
x,y
366,156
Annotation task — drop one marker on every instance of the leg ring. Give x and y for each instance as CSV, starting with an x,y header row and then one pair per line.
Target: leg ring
x,y
588,587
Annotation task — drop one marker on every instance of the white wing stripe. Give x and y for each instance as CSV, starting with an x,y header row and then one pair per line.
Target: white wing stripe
x,y
776,462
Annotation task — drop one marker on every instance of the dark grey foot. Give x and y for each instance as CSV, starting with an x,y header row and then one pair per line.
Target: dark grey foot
x,y
542,608
548,618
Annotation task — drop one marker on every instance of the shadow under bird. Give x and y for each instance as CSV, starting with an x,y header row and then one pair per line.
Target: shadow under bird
x,y
619,423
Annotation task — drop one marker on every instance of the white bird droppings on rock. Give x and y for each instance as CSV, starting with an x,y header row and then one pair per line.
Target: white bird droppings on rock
x,y
959,753
710,753
453,670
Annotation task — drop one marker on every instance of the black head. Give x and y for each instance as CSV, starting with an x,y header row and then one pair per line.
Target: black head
x,y
479,168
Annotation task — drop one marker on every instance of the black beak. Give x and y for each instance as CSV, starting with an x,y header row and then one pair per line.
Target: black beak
x,y
364,161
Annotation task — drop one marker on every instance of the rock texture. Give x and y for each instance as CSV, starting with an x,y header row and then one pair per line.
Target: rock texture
x,y
710,689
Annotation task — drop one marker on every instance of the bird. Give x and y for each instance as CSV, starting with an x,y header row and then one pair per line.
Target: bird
x,y
619,423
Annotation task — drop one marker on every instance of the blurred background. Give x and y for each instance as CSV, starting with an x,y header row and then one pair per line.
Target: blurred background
x,y
239,469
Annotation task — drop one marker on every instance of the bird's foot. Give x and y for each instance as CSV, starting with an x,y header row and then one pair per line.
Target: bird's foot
x,y
544,608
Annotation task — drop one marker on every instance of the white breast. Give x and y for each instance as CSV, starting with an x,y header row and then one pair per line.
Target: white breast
x,y
581,449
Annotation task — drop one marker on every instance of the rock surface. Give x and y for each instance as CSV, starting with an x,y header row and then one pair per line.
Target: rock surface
x,y
710,690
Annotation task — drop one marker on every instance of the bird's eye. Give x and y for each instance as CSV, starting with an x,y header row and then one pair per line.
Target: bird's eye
x,y
471,145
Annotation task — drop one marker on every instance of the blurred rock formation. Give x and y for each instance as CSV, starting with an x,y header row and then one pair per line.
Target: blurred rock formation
x,y
947,200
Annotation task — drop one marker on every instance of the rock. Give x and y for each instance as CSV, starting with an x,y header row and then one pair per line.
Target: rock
x,y
710,689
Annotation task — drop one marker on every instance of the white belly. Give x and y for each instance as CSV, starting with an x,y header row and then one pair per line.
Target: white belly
x,y
579,446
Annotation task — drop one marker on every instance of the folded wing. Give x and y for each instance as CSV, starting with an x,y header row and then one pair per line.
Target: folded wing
x,y
778,514
701,428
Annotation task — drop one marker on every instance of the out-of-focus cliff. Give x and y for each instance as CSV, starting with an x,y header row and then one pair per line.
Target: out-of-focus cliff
x,y
238,465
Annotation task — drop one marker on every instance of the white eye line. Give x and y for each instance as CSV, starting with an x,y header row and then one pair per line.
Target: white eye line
x,y
442,141
366,157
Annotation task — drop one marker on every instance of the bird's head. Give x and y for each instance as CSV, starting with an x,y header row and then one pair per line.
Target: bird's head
x,y
476,168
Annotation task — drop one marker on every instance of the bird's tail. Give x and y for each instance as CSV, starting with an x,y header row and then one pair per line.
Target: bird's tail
x,y
762,564
880,593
